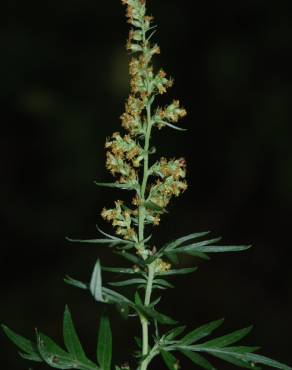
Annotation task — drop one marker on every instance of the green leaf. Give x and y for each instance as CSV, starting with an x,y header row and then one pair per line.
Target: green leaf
x,y
201,332
52,354
93,241
173,126
183,239
114,297
173,333
235,361
75,283
198,360
169,359
218,248
71,339
104,347
163,283
31,357
259,359
121,270
116,185
131,257
95,285
228,339
161,318
22,343
178,271
128,282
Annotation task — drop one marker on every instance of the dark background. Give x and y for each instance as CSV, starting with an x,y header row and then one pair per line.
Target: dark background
x,y
63,73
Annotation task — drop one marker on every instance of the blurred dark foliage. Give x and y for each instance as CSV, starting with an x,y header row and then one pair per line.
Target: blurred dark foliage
x,y
64,80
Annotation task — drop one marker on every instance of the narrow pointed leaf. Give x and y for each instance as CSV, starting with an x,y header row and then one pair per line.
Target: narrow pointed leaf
x,y
178,271
104,347
116,185
128,282
228,339
31,356
220,248
52,354
235,361
131,257
183,239
93,241
75,283
173,126
259,359
95,285
173,333
22,343
71,339
198,360
120,270
169,359
201,332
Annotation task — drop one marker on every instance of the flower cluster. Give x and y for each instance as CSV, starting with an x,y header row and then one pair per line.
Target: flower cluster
x,y
172,113
121,218
171,183
126,154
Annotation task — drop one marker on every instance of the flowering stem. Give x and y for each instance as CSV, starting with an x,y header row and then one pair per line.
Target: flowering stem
x,y
144,321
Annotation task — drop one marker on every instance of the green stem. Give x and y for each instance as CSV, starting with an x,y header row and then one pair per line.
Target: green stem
x,y
144,321
142,216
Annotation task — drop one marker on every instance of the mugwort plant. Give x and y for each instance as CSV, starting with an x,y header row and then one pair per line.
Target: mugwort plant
x,y
152,185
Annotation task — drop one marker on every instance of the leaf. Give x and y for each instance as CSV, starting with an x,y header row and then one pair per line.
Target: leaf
x,y
235,361
52,354
255,358
198,360
228,339
183,239
104,347
22,343
95,285
128,282
178,271
116,185
93,241
173,333
169,359
201,332
163,283
71,339
161,318
31,357
173,126
220,248
75,283
120,270
115,297
131,257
